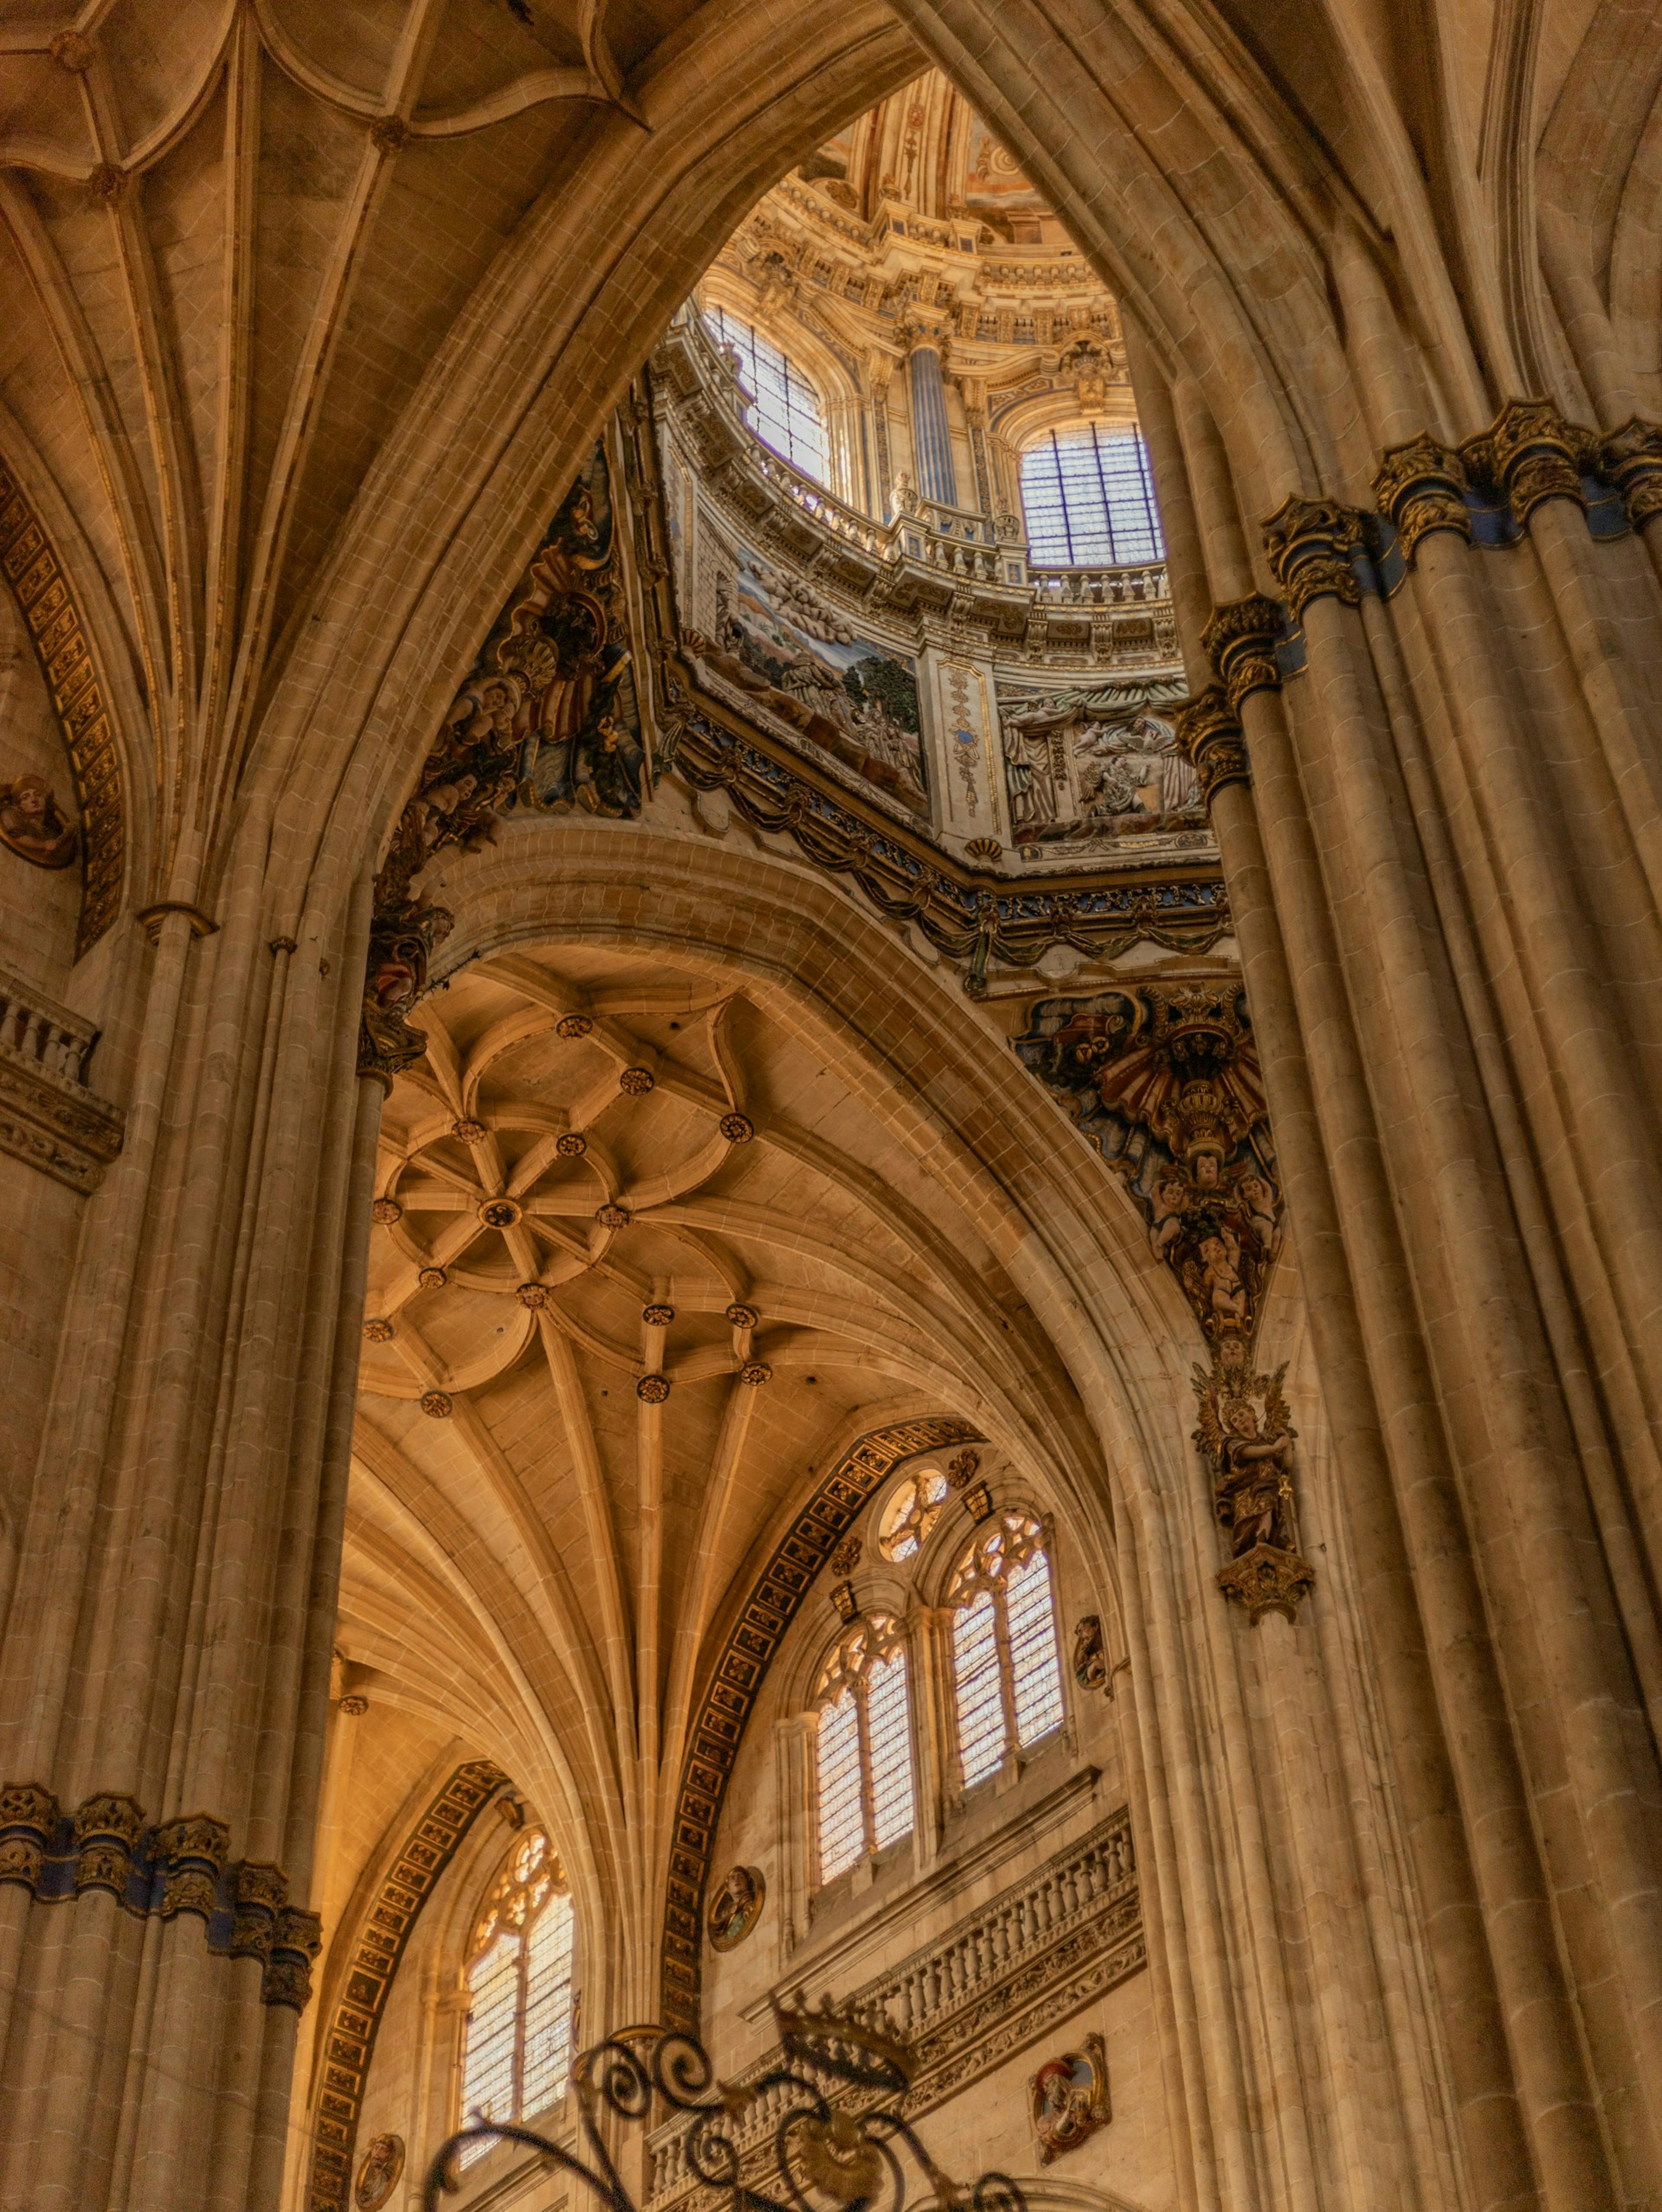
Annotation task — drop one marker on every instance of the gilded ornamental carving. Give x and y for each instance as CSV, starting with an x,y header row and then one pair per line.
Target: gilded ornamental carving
x,y
1208,730
1631,458
1311,542
1420,486
1239,641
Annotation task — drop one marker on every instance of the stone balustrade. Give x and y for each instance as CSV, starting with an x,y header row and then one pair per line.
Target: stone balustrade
x,y
1002,1978
48,1117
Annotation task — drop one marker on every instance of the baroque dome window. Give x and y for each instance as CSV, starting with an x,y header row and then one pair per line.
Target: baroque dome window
x,y
1006,1675
784,412
516,2053
1088,497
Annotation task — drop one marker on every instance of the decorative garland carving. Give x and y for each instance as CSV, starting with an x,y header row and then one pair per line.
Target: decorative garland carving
x,y
1311,542
1239,641
1165,1083
348,2042
1208,730
755,1635
1631,458
1016,923
1247,1435
33,569
181,1866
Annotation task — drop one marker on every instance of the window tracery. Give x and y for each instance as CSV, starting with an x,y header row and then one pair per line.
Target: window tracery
x,y
516,2052
910,1514
1088,497
863,1746
1006,1672
786,411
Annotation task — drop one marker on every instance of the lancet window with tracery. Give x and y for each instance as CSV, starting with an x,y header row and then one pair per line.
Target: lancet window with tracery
x,y
517,2049
1006,1674
863,1746
785,413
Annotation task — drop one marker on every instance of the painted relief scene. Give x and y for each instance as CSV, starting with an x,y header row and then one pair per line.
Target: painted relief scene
x,y
779,645
1085,772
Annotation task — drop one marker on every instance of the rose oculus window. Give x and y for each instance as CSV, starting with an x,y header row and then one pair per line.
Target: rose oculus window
x,y
910,1514
786,414
1088,497
863,1746
516,2052
1006,1674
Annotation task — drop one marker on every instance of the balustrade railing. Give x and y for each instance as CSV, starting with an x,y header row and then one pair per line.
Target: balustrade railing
x,y
924,1996
973,549
35,1029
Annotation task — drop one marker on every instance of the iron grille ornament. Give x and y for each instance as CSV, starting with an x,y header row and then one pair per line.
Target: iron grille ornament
x,y
830,2157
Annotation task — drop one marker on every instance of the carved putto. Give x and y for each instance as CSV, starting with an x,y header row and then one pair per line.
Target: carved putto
x,y
1165,1083
33,826
1247,1435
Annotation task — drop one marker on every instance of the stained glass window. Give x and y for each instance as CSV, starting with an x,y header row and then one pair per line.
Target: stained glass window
x,y
516,2051
863,1746
1006,1673
1090,499
786,410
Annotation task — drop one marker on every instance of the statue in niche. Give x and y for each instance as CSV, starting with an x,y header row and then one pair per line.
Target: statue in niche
x,y
736,1907
33,826
378,2177
1068,2097
1246,1435
1164,1081
1091,1657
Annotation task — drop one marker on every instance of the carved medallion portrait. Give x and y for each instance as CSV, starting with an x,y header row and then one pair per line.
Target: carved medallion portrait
x,y
1069,2099
33,826
378,2177
736,1907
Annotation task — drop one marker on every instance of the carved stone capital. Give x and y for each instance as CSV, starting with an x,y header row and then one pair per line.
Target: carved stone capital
x,y
1632,460
1208,731
1310,543
1240,641
28,1814
296,1940
1266,1579
192,1853
1535,455
1420,487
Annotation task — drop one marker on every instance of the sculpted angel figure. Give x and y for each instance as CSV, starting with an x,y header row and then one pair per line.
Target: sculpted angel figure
x,y
1251,1455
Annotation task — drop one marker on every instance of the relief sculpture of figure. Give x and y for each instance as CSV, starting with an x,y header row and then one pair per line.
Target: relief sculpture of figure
x,y
1246,1435
33,826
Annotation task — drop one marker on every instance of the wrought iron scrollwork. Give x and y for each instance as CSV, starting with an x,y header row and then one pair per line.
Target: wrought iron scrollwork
x,y
828,2156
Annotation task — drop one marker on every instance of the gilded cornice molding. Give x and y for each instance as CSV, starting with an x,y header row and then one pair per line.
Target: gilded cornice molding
x,y
348,2041
1239,641
1631,458
736,1681
1208,730
1310,544
161,1871
35,574
1420,486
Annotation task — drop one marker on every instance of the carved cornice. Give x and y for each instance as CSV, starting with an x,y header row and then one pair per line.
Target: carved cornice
x,y
1239,641
1420,486
179,1867
755,1635
1310,543
1015,923
35,574
1208,730
348,2042
1631,458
